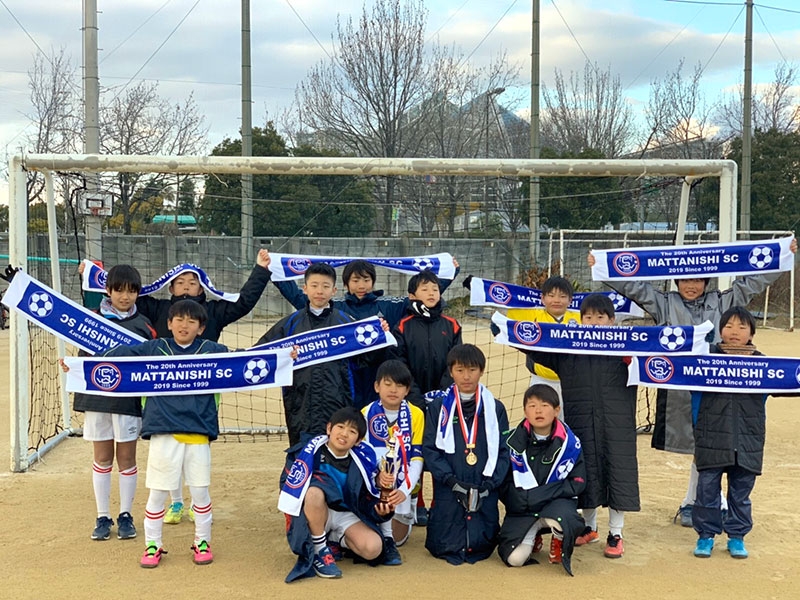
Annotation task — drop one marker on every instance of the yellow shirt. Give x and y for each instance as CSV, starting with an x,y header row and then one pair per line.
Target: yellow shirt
x,y
571,317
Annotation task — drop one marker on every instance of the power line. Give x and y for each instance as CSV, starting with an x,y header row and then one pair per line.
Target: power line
x,y
788,10
722,41
135,31
769,33
491,29
308,29
450,18
586,56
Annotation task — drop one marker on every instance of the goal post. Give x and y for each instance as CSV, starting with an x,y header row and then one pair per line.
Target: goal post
x,y
20,358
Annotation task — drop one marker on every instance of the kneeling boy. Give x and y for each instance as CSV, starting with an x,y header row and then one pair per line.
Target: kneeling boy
x,y
329,489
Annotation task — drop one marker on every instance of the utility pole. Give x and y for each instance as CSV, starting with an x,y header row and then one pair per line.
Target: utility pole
x,y
247,138
91,123
536,147
747,126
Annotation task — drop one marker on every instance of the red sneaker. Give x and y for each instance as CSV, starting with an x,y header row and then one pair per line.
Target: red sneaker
x,y
589,536
615,547
202,553
152,556
537,544
555,551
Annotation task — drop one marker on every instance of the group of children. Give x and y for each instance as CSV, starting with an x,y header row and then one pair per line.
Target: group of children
x,y
361,430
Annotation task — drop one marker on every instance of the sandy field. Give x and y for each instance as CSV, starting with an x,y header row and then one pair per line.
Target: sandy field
x,y
48,513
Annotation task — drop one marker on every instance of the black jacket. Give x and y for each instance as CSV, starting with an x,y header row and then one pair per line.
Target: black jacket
x,y
422,344
138,324
730,429
220,312
316,391
557,500
601,409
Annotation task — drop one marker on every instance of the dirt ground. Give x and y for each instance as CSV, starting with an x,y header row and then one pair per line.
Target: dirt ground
x,y
48,513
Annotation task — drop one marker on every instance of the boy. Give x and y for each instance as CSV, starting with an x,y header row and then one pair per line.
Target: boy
x,y
425,336
542,486
601,409
317,391
395,427
692,304
557,293
361,300
114,423
463,451
729,438
180,430
329,490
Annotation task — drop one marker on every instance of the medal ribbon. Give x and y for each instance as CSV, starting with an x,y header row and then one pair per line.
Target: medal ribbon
x,y
469,436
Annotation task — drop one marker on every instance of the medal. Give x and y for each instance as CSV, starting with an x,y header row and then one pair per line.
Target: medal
x,y
471,434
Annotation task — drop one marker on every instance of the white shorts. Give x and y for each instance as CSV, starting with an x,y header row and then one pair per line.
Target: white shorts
x,y
101,427
338,522
168,459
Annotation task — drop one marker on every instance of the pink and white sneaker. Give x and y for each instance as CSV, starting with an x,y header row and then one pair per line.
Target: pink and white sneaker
x,y
152,556
202,553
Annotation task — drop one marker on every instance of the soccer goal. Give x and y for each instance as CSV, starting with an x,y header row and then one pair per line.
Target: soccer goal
x,y
40,410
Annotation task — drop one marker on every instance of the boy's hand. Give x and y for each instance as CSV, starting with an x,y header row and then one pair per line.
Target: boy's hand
x,y
64,366
293,353
9,273
81,268
462,495
455,262
396,497
591,259
384,324
385,480
793,246
467,283
384,508
263,259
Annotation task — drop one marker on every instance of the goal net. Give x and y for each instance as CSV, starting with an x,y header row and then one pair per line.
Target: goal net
x,y
41,412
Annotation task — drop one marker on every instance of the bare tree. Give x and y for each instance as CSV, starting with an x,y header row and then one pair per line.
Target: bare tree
x,y
587,112
142,122
775,106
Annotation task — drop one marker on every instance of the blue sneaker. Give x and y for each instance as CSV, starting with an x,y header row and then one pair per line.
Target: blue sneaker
x,y
325,565
102,528
391,555
736,548
125,527
685,515
704,547
422,516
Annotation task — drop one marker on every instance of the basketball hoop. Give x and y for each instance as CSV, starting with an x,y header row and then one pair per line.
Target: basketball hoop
x,y
95,211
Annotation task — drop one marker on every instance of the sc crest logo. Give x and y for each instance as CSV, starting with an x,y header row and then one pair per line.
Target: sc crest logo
x,y
797,375
298,265
445,417
298,475
499,293
528,333
517,459
106,376
377,425
626,264
659,368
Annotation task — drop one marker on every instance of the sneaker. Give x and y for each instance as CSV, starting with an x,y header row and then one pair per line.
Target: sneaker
x,y
685,515
325,564
736,548
125,527
588,536
391,555
174,513
202,553
537,544
555,551
190,514
704,547
422,516
151,556
336,550
102,528
615,547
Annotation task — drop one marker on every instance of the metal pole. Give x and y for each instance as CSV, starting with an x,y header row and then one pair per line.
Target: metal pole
x,y
91,122
747,134
534,208
247,138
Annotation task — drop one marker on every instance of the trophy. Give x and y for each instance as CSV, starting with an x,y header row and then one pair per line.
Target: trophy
x,y
389,464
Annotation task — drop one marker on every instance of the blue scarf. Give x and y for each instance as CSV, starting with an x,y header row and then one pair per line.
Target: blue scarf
x,y
563,463
293,266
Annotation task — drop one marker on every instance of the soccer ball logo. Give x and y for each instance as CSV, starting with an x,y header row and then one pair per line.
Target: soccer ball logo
x,y
366,335
618,300
672,338
423,263
256,370
563,470
40,304
760,257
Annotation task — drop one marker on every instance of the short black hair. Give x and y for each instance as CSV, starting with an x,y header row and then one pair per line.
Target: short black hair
x,y
188,308
358,267
321,269
350,415
468,355
599,303
123,277
561,284
396,371
426,276
741,313
543,392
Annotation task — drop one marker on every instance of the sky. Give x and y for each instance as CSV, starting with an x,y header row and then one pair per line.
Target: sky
x,y
193,46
